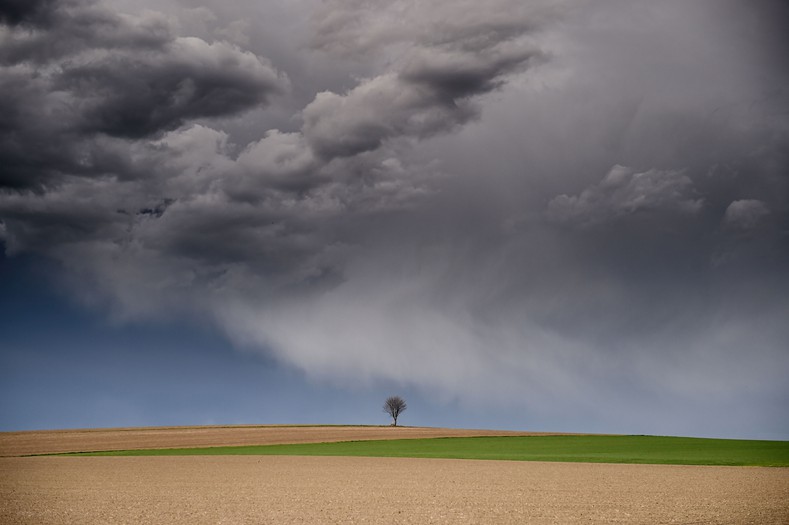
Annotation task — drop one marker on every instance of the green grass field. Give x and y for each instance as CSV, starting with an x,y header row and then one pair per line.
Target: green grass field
x,y
587,449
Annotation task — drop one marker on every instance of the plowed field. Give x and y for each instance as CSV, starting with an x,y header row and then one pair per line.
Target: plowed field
x,y
56,441
282,489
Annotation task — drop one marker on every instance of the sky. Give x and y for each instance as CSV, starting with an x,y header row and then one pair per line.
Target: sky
x,y
541,215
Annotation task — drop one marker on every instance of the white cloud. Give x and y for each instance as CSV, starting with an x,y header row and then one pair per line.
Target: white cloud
x,y
624,192
745,214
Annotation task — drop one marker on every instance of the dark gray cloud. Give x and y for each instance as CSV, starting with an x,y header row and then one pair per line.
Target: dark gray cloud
x,y
426,88
14,12
92,73
570,208
136,96
429,96
69,27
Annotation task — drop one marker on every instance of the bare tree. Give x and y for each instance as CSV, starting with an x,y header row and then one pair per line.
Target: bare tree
x,y
394,406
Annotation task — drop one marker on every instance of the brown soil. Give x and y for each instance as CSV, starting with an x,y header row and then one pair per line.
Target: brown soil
x,y
54,441
275,489
278,489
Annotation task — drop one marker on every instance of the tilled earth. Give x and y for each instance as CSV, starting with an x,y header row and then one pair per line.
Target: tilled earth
x,y
81,440
283,489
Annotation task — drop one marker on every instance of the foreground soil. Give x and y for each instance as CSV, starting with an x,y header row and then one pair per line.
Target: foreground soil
x,y
281,489
94,440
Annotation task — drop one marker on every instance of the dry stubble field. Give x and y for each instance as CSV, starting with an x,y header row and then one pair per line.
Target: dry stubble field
x,y
280,489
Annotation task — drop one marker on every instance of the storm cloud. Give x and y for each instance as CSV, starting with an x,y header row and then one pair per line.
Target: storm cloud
x,y
427,87
15,12
570,208
90,75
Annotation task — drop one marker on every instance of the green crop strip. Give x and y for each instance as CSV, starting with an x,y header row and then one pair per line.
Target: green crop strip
x,y
588,449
